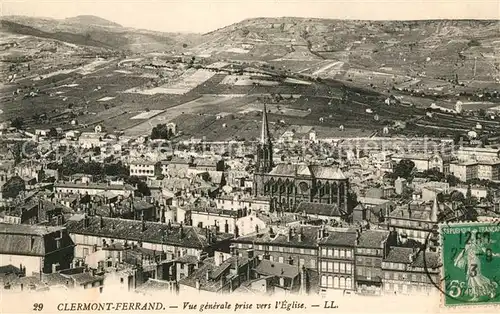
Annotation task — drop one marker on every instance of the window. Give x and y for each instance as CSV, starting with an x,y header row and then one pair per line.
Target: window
x,y
348,283
270,248
323,266
336,267
413,277
331,281
290,250
348,268
342,268
335,253
342,283
301,251
85,252
342,253
312,252
387,275
280,249
313,263
261,247
336,282
348,253
359,271
323,281
280,259
121,280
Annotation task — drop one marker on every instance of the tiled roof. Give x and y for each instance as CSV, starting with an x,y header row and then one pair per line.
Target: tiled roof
x,y
372,238
319,209
399,255
153,285
200,275
98,186
154,232
268,268
431,260
340,238
309,239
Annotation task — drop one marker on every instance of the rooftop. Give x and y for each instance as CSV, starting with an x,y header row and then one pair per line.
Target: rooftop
x,y
167,234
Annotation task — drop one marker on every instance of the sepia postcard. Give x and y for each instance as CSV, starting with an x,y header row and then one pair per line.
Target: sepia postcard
x,y
266,156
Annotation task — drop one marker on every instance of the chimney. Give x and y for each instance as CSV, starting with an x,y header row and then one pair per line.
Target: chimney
x,y
86,221
232,249
143,222
197,283
301,235
266,255
110,211
290,260
250,253
256,228
290,234
101,222
181,231
236,231
226,227
207,275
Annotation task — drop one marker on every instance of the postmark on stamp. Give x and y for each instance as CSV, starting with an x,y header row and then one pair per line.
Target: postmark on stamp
x,y
471,263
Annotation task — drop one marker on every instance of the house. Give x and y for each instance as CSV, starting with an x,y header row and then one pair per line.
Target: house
x,y
372,246
145,168
336,259
124,190
37,249
465,154
465,171
406,271
88,233
297,245
220,274
326,212
91,140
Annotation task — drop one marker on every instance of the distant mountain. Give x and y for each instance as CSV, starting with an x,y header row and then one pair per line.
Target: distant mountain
x,y
97,32
91,20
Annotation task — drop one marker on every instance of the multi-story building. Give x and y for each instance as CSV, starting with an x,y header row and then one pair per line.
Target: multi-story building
x,y
236,202
37,249
372,246
465,171
145,168
336,259
407,271
93,188
489,170
477,154
297,245
91,233
414,221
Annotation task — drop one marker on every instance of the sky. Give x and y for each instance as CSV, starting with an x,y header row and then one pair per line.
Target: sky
x,y
204,15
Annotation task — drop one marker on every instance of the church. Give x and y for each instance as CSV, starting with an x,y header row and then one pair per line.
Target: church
x,y
290,184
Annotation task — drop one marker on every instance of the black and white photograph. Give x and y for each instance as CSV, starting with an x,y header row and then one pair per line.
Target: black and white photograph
x,y
316,155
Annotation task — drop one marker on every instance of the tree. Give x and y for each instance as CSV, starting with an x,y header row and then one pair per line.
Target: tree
x,y
404,168
52,132
13,187
143,188
457,196
17,122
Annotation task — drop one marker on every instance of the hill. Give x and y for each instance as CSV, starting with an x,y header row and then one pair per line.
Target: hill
x,y
428,48
96,32
91,20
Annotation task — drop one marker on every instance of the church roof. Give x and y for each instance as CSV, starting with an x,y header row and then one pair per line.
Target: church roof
x,y
319,172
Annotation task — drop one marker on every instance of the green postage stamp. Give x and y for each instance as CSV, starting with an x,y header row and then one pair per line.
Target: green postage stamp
x,y
471,263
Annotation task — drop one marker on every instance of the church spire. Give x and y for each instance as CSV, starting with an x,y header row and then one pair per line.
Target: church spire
x,y
264,137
